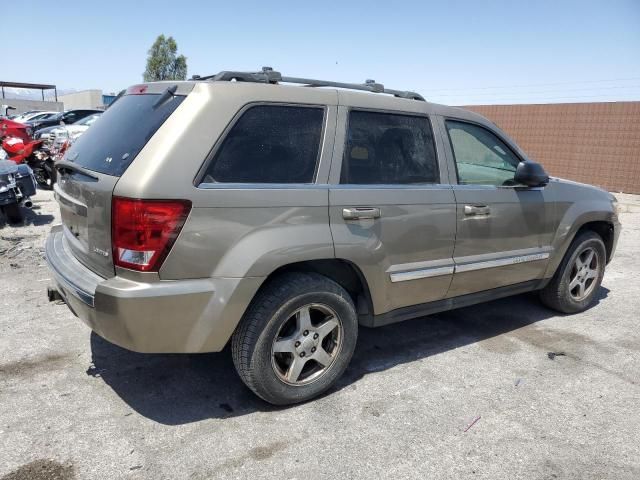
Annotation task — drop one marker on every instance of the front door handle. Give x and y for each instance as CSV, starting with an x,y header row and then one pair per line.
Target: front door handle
x,y
476,210
360,213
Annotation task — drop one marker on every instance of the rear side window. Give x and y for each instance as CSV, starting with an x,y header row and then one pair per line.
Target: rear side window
x,y
270,144
385,148
111,144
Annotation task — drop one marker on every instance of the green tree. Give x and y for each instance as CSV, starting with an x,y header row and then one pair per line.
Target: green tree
x,y
163,62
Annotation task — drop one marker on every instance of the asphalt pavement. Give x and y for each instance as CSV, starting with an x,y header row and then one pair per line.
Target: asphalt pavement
x,y
504,390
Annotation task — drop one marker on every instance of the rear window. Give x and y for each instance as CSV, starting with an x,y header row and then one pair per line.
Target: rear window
x,y
111,144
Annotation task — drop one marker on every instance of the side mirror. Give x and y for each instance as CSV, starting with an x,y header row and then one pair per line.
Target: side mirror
x,y
531,174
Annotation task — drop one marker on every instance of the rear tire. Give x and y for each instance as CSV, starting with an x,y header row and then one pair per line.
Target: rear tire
x,y
296,338
13,213
576,283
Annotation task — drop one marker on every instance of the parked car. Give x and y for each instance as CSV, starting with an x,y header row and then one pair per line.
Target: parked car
x,y
72,131
62,118
17,185
280,218
10,128
34,116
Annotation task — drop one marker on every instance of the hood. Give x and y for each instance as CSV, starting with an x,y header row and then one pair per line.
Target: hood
x,y
591,189
74,129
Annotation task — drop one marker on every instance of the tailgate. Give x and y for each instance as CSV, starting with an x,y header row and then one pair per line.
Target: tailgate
x,y
85,208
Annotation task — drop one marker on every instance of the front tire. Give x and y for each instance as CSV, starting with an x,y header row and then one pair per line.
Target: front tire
x,y
575,285
296,338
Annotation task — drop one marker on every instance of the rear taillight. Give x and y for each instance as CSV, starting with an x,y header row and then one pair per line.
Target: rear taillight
x,y
143,231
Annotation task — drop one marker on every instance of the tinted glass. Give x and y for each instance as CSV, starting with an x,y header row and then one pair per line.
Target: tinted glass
x,y
111,144
387,148
270,144
481,157
70,117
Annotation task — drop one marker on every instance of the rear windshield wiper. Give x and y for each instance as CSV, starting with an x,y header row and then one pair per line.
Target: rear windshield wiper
x,y
167,95
68,169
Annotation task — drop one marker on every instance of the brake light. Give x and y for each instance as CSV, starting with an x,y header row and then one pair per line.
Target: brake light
x,y
137,90
143,231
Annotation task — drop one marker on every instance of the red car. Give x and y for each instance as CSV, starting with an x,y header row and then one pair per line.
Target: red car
x,y
9,128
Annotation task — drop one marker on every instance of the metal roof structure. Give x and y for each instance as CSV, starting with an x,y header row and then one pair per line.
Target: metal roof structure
x,y
34,86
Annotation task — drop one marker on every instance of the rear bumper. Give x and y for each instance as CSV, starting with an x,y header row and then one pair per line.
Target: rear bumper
x,y
168,316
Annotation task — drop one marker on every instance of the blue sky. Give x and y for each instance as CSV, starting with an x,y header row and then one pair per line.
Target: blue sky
x,y
456,52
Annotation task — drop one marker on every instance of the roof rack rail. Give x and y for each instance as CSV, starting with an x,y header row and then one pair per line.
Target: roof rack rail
x,y
269,75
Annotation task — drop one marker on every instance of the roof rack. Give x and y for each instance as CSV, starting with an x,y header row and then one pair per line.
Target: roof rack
x,y
269,75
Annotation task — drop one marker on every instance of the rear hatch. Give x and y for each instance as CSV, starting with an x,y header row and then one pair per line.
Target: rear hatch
x,y
93,165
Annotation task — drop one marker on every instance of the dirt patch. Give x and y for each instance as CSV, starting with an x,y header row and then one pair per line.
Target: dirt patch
x,y
268,451
42,470
257,453
499,344
26,367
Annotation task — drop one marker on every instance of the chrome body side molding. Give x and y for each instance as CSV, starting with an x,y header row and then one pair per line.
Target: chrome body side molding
x,y
435,268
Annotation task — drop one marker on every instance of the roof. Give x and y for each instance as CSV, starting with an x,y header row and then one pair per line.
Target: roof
x,y
38,86
269,76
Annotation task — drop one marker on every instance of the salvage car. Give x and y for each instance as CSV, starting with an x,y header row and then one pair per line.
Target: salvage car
x,y
9,128
17,186
34,115
72,131
62,118
280,214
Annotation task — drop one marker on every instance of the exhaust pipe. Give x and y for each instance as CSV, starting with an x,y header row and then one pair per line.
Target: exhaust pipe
x,y
28,203
53,295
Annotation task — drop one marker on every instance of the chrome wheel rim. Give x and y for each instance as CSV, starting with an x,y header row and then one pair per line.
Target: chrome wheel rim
x,y
584,274
307,344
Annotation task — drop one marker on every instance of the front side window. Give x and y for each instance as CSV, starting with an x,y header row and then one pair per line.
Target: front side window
x,y
481,157
385,148
270,144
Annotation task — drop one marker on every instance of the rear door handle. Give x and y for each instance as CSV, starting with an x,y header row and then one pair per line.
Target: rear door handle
x,y
360,213
476,210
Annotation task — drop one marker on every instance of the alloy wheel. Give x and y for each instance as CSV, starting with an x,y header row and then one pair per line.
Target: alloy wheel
x,y
307,344
584,274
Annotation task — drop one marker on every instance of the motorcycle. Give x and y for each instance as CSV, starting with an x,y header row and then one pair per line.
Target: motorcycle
x,y
39,160
17,185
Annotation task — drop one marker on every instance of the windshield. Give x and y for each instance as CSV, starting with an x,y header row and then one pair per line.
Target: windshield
x,y
124,129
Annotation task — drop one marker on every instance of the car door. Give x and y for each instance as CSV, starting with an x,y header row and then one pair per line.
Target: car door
x,y
504,230
390,214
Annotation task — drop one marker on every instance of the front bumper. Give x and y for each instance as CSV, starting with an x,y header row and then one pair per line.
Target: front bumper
x,y
7,198
166,316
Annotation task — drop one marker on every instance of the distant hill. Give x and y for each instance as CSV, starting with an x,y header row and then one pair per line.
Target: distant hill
x,y
29,94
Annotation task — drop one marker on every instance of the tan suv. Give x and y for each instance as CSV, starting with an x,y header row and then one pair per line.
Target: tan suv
x,y
281,213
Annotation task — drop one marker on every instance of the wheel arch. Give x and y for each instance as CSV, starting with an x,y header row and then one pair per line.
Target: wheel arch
x,y
343,272
601,224
604,229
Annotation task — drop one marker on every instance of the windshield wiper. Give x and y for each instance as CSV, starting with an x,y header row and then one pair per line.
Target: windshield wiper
x,y
167,95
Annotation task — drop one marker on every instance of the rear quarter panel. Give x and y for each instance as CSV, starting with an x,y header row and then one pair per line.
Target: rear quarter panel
x,y
251,233
233,230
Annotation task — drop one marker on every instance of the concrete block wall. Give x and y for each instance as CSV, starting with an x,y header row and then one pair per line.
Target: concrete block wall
x,y
85,99
596,143
22,106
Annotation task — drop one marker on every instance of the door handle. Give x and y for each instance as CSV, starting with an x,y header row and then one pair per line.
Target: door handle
x,y
360,213
476,210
